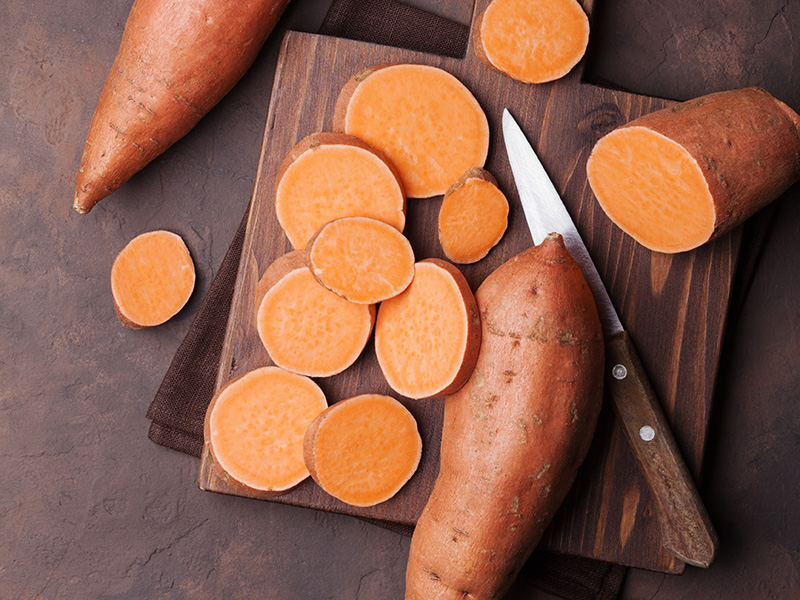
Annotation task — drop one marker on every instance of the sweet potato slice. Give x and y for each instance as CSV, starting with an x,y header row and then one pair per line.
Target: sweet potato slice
x,y
680,177
361,259
427,338
473,217
151,279
331,175
425,120
256,424
305,327
364,449
532,42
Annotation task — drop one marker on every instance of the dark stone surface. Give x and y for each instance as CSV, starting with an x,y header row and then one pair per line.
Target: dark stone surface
x,y
90,508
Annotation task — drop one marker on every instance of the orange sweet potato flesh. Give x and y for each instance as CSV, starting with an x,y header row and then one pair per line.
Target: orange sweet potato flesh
x,y
473,217
364,449
306,328
177,59
534,42
422,118
256,425
327,176
680,177
427,338
362,260
151,279
514,435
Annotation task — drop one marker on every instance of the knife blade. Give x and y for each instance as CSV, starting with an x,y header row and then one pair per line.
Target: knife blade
x,y
686,529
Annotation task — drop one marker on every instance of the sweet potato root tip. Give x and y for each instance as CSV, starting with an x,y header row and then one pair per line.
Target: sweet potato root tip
x,y
327,176
514,435
308,329
532,42
680,177
473,217
152,279
256,425
428,337
425,120
362,260
364,449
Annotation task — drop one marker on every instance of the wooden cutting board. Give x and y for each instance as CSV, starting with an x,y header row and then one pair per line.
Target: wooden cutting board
x,y
673,306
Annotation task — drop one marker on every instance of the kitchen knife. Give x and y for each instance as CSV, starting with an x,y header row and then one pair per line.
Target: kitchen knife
x,y
686,529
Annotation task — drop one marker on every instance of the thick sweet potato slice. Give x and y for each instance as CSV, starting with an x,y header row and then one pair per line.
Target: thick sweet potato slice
x,y
331,175
151,279
473,217
305,327
680,177
424,119
364,449
532,42
361,259
427,338
256,425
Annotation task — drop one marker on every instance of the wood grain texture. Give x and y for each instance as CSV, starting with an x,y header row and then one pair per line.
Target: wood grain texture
x,y
673,306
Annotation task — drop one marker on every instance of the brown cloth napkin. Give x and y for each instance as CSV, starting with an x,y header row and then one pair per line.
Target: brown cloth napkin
x,y
179,407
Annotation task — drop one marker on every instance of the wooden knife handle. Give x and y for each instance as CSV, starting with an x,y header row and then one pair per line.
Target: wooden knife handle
x,y
686,529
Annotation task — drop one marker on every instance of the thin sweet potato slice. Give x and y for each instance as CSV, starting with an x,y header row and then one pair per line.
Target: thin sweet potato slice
x,y
151,279
534,42
256,425
305,327
362,260
473,217
679,177
427,338
331,175
425,120
364,449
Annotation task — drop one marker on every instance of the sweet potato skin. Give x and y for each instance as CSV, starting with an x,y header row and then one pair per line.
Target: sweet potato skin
x,y
514,435
176,60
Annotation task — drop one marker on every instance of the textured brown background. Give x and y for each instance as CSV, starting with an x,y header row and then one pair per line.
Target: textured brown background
x,y
89,508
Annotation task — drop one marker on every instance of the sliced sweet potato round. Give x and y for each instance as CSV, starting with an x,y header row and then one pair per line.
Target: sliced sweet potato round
x,y
256,425
427,338
151,279
425,120
364,449
361,259
331,175
473,217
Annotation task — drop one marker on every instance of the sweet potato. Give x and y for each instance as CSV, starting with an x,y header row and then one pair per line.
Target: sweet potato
x,y
306,328
425,120
514,435
256,425
151,279
177,59
331,175
362,260
529,41
682,176
364,449
427,338
473,217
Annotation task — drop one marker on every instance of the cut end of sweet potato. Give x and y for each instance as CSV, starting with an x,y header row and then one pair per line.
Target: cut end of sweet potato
x,y
425,120
152,279
653,189
427,338
473,217
364,449
533,42
332,175
362,260
308,329
256,426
